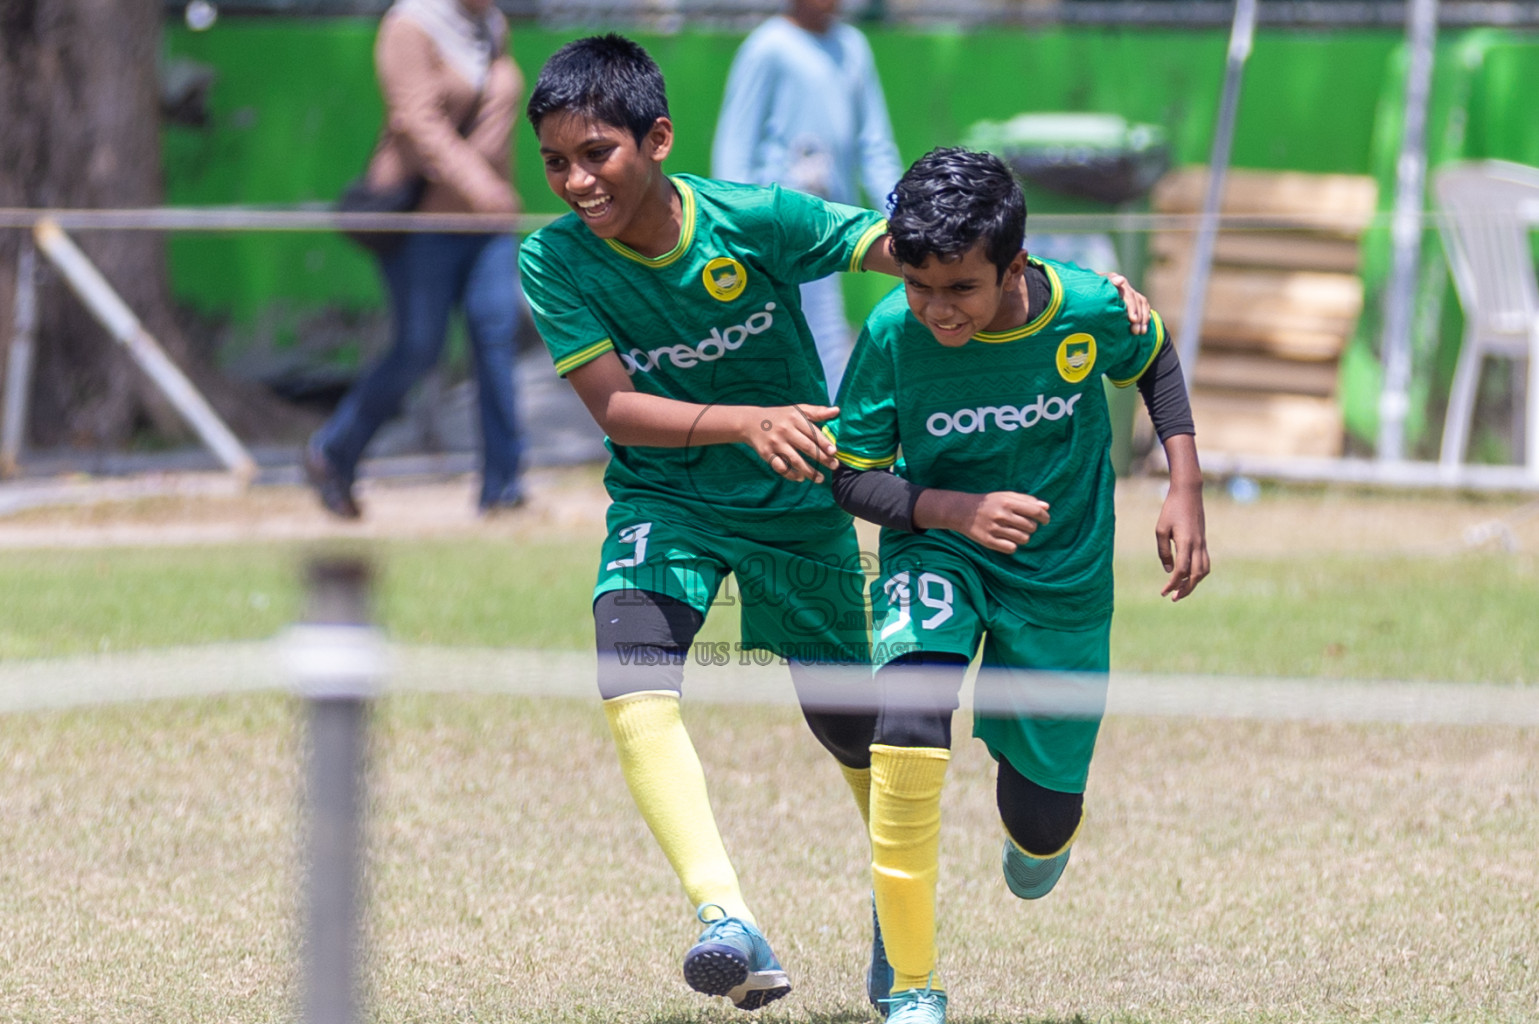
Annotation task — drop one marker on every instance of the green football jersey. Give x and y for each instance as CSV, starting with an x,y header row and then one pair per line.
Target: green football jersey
x,y
716,320
1021,410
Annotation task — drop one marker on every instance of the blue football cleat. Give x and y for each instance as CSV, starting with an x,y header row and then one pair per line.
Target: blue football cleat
x,y
733,959
917,1006
1032,878
879,973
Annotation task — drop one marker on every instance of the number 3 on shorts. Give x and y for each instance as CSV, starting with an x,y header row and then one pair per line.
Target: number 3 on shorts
x,y
636,535
934,592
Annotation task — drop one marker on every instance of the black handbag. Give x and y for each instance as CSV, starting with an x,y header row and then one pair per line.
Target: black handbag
x,y
359,197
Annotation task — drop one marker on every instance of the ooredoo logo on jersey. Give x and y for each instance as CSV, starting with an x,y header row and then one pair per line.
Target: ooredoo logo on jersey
x,y
1005,417
707,350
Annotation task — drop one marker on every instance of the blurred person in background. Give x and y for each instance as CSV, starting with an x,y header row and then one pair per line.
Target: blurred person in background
x,y
803,109
451,94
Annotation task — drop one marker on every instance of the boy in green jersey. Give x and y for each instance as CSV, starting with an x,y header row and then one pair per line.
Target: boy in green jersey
x,y
980,383
671,304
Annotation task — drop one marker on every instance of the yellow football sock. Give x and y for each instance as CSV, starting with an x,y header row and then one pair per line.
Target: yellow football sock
x,y
664,775
905,848
859,781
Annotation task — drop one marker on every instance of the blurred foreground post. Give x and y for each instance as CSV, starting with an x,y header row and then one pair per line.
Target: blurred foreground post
x,y
337,661
18,360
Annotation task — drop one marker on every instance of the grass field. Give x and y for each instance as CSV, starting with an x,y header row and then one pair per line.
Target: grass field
x,y
1229,871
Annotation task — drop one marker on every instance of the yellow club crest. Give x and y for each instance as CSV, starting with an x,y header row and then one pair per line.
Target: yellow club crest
x,y
1076,357
725,278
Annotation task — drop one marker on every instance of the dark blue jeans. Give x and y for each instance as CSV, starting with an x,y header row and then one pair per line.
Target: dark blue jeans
x,y
427,275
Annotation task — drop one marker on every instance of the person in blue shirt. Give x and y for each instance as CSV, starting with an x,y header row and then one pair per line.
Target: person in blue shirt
x,y
803,109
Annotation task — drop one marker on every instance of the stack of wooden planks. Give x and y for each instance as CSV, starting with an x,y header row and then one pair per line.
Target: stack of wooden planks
x,y
1282,303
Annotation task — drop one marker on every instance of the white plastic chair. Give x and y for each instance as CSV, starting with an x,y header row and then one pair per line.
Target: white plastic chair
x,y
1489,210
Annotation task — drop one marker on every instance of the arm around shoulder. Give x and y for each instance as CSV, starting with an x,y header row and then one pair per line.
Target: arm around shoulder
x,y
879,258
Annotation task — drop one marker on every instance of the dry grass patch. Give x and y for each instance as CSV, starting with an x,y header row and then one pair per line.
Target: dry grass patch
x,y
1228,871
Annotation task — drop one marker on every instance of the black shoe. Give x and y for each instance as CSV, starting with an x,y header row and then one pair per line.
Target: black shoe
x,y
508,501
334,489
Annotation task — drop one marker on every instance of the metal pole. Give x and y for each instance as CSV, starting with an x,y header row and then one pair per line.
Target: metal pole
x,y
113,313
336,660
1241,36
1410,185
18,362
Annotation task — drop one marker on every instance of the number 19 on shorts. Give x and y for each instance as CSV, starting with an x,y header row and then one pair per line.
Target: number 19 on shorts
x,y
934,592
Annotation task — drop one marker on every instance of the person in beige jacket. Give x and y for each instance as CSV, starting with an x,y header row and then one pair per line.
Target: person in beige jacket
x,y
451,94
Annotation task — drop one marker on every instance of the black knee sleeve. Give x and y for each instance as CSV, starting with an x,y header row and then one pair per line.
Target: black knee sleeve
x,y
643,641
839,704
845,735
919,693
1041,821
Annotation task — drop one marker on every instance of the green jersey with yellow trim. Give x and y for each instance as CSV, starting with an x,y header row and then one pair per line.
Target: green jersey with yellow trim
x,y
1021,410
716,320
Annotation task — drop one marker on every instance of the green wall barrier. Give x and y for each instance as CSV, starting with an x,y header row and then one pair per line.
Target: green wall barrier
x,y
295,111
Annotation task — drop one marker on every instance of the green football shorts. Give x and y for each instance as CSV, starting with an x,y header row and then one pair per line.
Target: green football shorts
x,y
800,599
1041,692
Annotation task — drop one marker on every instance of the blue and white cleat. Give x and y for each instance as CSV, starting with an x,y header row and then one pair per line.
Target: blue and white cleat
x,y
733,959
1032,878
917,1006
879,973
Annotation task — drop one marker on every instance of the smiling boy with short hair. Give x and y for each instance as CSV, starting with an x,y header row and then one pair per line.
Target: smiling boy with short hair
x,y
983,375
671,304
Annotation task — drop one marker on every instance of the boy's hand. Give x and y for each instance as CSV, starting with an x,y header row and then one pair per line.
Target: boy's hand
x,y
1133,299
1180,535
1005,520
1000,520
787,437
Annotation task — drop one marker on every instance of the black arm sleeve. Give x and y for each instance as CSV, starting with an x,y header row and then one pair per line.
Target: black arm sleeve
x,y
877,495
1164,389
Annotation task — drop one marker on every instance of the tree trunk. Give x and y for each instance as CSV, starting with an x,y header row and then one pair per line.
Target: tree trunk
x,y
80,128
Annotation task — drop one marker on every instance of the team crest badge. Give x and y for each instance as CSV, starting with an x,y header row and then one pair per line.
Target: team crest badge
x,y
725,278
1076,357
